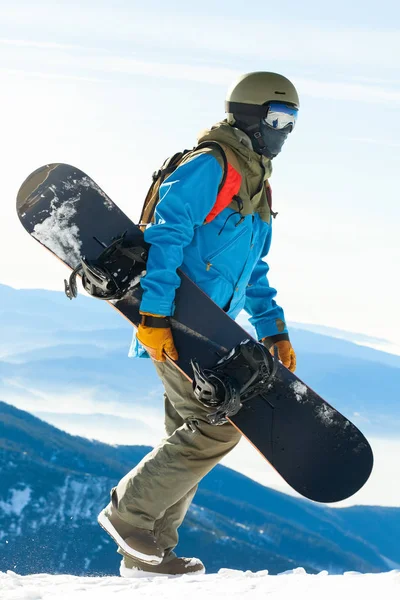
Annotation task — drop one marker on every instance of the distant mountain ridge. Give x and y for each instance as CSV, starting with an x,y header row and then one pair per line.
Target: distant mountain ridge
x,y
54,484
49,344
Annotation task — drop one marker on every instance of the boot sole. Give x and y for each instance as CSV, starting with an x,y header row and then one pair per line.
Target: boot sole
x,y
139,574
109,528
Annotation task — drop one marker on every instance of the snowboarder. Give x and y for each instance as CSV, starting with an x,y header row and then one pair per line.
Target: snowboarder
x,y
213,221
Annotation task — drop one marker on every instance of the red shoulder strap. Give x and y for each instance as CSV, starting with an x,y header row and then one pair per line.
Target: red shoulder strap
x,y
230,189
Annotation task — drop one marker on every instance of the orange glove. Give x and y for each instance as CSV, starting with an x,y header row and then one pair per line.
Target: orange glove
x,y
286,354
156,339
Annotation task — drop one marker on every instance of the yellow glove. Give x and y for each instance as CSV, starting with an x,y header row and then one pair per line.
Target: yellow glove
x,y
286,354
156,337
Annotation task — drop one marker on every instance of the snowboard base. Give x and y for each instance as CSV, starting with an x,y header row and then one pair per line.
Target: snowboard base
x,y
320,453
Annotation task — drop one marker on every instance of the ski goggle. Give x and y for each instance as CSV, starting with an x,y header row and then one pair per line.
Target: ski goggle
x,y
280,115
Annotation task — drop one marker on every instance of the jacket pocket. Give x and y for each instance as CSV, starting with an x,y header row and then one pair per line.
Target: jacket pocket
x,y
228,244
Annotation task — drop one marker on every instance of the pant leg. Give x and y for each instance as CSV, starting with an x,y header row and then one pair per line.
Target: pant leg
x,y
172,419
162,486
166,527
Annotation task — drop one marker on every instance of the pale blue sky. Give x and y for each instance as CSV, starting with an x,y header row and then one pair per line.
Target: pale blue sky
x,y
114,88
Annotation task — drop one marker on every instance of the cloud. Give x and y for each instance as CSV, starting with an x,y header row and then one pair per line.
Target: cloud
x,y
67,61
42,75
82,400
46,45
339,90
280,37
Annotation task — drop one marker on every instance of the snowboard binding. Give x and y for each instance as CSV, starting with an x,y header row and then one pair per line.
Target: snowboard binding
x,y
115,271
236,378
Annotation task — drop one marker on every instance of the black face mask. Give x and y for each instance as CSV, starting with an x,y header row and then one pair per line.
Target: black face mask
x,y
265,140
271,139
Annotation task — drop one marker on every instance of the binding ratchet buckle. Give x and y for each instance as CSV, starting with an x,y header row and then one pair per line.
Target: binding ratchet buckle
x,y
115,271
236,378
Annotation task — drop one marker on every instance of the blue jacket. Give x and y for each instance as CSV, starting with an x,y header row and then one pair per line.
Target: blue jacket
x,y
223,257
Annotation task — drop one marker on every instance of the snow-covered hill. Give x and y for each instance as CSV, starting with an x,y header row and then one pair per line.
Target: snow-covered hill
x,y
295,584
53,485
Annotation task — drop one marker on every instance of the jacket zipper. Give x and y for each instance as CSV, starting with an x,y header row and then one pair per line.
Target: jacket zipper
x,y
223,249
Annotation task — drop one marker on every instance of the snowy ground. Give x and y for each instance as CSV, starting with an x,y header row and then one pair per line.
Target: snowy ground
x,y
227,583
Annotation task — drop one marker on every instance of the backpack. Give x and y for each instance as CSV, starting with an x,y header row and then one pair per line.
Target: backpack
x,y
168,167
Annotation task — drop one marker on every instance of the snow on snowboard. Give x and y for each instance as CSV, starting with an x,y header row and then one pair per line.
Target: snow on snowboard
x,y
319,452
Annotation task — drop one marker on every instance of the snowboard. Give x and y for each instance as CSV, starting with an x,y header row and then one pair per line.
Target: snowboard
x,y
317,450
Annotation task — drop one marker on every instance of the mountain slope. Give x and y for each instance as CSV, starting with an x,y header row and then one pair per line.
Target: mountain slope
x,y
54,484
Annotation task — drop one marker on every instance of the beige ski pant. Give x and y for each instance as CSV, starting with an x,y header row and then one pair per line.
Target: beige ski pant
x,y
157,493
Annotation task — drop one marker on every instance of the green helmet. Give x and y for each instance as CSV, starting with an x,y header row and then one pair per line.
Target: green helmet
x,y
253,90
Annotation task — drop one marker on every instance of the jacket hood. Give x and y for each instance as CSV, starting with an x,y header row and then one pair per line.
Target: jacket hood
x,y
239,141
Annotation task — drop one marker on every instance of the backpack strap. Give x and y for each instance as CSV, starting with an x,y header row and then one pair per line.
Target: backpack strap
x,y
228,192
152,197
168,167
222,151
269,198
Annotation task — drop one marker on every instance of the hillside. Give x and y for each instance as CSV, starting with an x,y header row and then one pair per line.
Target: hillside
x,y
54,484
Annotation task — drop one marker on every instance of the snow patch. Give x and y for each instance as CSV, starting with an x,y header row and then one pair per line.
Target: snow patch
x,y
58,232
86,182
19,499
300,391
296,571
107,201
227,583
326,414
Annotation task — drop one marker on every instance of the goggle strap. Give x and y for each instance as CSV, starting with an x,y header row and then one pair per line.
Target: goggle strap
x,y
248,110
257,135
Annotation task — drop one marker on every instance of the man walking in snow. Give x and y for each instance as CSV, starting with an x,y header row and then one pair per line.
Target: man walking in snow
x,y
213,221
